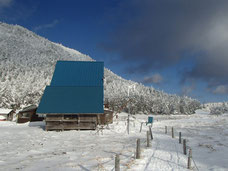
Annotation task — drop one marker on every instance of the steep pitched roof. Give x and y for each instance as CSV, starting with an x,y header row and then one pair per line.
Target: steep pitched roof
x,y
76,87
78,73
71,100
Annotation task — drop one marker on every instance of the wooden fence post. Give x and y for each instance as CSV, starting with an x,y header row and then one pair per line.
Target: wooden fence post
x,y
147,139
165,129
189,158
128,123
117,162
141,127
179,137
184,147
151,134
172,132
138,149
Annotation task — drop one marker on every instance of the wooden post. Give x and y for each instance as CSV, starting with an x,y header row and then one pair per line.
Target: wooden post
x,y
165,129
62,125
128,123
172,132
184,147
79,122
141,127
151,134
138,149
189,158
179,137
117,162
98,119
147,139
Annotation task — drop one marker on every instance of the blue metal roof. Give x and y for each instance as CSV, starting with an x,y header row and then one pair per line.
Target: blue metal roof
x,y
71,100
78,73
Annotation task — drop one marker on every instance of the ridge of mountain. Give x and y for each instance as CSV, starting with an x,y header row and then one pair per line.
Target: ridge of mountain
x,y
27,63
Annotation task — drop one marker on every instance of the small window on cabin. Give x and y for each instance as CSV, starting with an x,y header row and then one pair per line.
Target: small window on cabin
x,y
25,115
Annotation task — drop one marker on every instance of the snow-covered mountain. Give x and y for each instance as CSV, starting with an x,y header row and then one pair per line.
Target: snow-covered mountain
x,y
27,62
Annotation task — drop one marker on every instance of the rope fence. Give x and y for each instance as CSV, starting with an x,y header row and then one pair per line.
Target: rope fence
x,y
147,142
185,147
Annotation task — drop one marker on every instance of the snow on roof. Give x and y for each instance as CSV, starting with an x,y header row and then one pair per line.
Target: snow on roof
x,y
2,117
29,108
5,111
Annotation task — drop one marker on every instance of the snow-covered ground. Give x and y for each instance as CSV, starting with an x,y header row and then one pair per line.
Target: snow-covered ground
x,y
29,147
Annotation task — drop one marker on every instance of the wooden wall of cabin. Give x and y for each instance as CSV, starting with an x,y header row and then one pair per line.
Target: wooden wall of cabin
x,y
71,122
77,121
10,116
28,116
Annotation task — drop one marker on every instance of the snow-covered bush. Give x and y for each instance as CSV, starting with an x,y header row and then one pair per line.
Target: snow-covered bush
x,y
219,109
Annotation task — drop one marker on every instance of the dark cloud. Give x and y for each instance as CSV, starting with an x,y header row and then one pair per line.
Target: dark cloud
x,y
160,33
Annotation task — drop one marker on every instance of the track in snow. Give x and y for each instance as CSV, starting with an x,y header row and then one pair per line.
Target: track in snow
x,y
165,154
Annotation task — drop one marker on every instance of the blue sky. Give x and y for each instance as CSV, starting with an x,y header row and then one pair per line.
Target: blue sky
x,y
177,46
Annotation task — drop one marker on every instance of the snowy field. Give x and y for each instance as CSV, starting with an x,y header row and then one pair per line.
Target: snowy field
x,y
29,147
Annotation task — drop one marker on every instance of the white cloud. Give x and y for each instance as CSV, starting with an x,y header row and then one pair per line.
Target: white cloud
x,y
221,89
5,3
46,26
186,90
155,78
